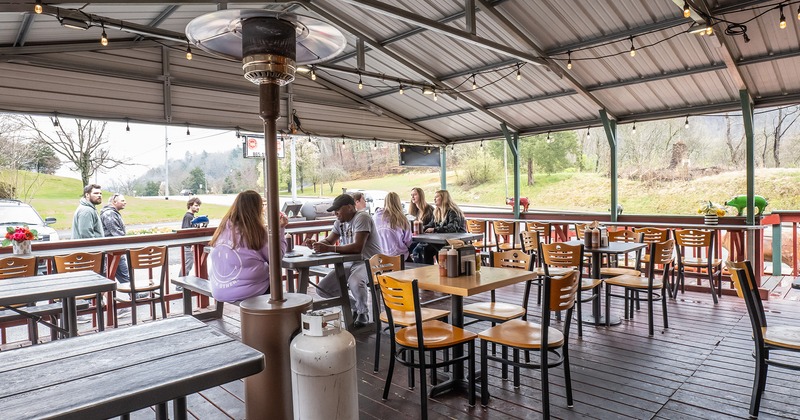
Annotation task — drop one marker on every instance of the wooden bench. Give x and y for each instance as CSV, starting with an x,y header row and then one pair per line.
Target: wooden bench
x,y
193,284
35,313
121,371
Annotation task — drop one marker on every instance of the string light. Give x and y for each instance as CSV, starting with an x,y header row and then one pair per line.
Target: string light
x,y
238,133
435,96
686,122
686,11
313,73
474,85
360,83
519,74
453,147
709,29
427,90
782,25
634,128
375,143
187,130
548,136
127,125
188,52
633,49
104,37
309,138
402,149
481,144
37,8
588,133
56,123
342,139
401,89
569,60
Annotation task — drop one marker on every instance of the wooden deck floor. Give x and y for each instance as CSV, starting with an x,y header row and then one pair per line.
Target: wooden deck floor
x,y
700,367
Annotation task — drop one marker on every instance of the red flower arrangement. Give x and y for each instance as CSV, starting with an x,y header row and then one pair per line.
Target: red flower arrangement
x,y
19,234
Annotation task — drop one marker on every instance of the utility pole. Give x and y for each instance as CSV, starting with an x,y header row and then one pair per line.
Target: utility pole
x,y
294,171
166,163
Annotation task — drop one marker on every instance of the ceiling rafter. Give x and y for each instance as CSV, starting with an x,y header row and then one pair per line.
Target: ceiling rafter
x,y
24,29
405,62
725,52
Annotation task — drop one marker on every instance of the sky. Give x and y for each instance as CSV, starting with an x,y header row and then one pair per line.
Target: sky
x,y
143,147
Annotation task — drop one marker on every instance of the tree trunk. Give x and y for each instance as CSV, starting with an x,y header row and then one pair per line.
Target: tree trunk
x,y
530,172
776,145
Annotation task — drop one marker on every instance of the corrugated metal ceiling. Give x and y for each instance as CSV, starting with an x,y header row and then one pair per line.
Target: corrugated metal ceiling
x,y
48,68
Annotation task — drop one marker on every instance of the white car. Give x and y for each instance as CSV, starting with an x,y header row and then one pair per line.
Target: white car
x,y
16,213
375,198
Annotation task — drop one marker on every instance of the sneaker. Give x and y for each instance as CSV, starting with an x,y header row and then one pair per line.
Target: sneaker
x,y
122,313
361,320
84,319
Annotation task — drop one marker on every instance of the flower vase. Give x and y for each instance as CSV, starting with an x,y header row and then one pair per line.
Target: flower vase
x,y
21,247
711,219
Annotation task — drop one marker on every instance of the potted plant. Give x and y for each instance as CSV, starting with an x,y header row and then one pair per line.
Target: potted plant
x,y
20,237
711,211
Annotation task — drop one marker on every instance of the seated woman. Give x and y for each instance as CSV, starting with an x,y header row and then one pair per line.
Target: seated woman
x,y
420,210
394,230
240,255
447,218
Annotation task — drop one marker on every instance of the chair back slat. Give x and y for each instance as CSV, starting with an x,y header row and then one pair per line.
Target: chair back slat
x,y
502,227
651,234
563,291
512,259
559,254
147,257
476,226
542,228
663,252
693,238
624,235
397,295
381,264
79,261
529,241
579,228
14,267
744,281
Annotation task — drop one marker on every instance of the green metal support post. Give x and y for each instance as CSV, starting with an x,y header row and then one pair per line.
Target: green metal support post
x,y
513,144
610,127
443,166
747,116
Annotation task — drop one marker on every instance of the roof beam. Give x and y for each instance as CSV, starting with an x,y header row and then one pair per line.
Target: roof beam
x,y
75,47
446,30
614,36
443,115
24,29
725,51
551,64
167,12
331,17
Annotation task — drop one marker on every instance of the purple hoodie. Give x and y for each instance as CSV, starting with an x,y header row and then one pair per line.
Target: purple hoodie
x,y
393,241
239,273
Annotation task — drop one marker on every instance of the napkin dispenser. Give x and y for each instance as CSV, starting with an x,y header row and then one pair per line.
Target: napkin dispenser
x,y
465,254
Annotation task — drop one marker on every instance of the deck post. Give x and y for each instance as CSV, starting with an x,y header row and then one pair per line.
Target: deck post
x,y
747,116
512,139
443,166
610,127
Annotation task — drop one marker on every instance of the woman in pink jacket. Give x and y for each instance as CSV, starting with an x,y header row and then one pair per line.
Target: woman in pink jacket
x,y
240,255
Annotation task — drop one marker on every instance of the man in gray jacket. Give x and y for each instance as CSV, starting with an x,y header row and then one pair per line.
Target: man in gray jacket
x,y
114,226
86,223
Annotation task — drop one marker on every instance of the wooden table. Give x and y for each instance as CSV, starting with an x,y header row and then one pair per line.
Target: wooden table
x,y
484,280
64,286
116,372
441,238
613,248
302,259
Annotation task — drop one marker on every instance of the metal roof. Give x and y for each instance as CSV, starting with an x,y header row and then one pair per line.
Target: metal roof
x,y
143,75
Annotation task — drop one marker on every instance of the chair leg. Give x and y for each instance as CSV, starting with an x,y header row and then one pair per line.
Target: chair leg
x,y
411,380
392,355
608,305
163,307
434,376
378,328
567,374
423,387
114,310
504,367
759,381
515,352
545,385
133,308
664,307
650,328
711,284
484,373
579,303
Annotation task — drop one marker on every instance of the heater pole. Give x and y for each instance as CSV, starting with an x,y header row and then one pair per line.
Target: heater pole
x,y
269,95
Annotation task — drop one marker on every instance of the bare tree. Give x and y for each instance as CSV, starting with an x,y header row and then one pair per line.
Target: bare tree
x,y
85,147
785,120
735,149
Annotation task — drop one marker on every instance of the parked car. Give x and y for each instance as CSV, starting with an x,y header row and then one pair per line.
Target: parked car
x,y
17,213
375,198
186,192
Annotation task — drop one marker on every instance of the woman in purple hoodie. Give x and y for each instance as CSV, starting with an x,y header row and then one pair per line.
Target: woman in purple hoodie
x,y
394,229
240,255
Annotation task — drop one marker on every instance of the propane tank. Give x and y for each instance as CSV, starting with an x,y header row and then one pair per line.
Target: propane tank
x,y
324,377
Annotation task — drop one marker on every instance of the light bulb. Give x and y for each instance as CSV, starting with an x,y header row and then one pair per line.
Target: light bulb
x,y
313,74
375,144
548,135
127,126
588,133
309,139
360,83
686,11
569,60
104,39
633,49
474,85
187,131
435,96
519,75
188,52
342,140
782,25
634,128
709,30
401,89
37,8
481,144
686,122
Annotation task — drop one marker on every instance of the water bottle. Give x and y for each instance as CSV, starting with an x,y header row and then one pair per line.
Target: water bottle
x,y
452,263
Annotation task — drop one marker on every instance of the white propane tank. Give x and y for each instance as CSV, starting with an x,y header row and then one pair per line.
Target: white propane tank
x,y
324,377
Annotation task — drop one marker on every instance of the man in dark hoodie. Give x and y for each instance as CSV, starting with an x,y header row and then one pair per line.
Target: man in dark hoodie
x,y
114,226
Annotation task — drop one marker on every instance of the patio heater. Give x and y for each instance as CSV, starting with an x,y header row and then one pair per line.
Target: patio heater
x,y
270,45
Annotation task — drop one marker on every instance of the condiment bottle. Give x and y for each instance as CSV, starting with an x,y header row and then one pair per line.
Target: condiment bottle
x,y
289,242
417,227
477,260
603,236
596,238
587,237
452,263
442,260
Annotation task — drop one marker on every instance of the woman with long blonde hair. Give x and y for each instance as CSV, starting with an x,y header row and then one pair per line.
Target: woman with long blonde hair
x,y
419,208
240,255
447,218
394,230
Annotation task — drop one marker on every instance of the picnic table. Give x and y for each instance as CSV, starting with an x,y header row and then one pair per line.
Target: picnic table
x,y
117,372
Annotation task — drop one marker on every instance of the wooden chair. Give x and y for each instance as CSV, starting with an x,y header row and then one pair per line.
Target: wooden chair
x,y
380,264
478,227
424,336
542,228
650,235
657,289
767,339
628,268
148,258
15,267
530,245
564,256
494,311
505,235
83,261
520,335
700,244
